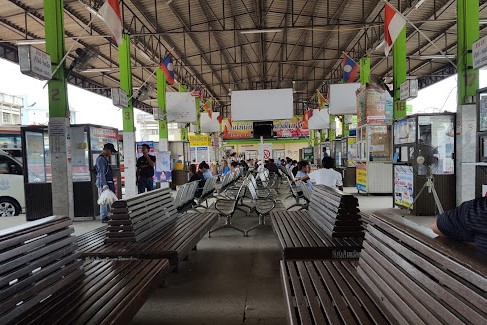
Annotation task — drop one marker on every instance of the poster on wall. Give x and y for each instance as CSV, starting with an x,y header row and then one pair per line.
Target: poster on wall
x,y
163,166
403,186
361,173
100,136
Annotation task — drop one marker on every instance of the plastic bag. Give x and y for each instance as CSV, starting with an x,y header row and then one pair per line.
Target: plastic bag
x,y
107,197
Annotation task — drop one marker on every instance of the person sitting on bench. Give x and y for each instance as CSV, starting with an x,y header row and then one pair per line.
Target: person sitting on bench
x,y
327,175
466,223
302,174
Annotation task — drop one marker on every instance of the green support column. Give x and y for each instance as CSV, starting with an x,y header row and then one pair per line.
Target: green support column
x,y
311,137
59,126
317,137
467,33
399,69
198,115
161,102
332,131
364,70
345,128
184,130
128,117
324,134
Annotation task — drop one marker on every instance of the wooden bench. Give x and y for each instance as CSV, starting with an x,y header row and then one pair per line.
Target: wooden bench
x,y
403,276
173,236
137,218
336,212
43,281
300,237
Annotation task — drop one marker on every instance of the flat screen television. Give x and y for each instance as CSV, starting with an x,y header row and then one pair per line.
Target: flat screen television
x,y
263,129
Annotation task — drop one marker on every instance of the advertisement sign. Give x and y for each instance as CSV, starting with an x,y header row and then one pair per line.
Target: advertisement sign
x,y
163,166
291,128
409,89
100,136
199,140
374,106
479,53
361,173
403,186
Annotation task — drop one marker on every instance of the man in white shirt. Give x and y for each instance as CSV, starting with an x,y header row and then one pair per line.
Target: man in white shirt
x,y
327,175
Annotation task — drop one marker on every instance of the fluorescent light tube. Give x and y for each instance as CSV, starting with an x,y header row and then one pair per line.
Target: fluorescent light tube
x,y
260,31
97,70
437,56
31,42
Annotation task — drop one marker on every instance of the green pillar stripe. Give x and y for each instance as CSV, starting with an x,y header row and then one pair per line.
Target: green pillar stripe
x,y
345,128
54,29
161,103
184,130
198,115
364,70
312,137
126,82
467,33
399,69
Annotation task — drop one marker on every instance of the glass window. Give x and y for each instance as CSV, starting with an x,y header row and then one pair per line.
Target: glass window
x,y
36,156
436,137
6,118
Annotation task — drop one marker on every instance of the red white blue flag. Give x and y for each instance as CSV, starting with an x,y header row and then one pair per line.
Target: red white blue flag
x,y
196,92
350,69
167,67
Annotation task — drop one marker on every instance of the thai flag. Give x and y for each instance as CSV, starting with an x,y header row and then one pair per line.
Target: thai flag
x,y
196,92
167,67
350,69
393,24
110,11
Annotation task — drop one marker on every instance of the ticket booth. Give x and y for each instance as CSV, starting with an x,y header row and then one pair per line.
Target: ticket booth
x,y
432,138
86,145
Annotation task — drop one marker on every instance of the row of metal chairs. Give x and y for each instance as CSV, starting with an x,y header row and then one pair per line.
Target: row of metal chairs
x,y
261,203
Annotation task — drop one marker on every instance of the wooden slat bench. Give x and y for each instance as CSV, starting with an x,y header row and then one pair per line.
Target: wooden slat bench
x,y
300,237
403,276
43,281
173,241
336,211
138,217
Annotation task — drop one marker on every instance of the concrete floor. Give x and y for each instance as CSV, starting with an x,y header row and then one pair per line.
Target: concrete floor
x,y
230,279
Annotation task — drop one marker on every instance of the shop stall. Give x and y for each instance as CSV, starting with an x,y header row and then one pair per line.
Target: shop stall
x,y
481,165
345,156
86,145
423,159
374,155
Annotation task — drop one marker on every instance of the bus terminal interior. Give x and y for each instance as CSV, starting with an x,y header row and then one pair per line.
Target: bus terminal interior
x,y
243,162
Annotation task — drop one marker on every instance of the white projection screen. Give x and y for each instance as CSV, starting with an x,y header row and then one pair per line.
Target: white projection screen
x,y
181,107
210,124
343,99
262,105
319,120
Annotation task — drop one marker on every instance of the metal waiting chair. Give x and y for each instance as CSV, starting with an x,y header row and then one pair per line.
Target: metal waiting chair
x,y
227,207
206,193
263,206
297,194
307,192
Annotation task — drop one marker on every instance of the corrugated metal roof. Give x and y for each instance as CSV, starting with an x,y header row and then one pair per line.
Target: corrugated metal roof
x,y
206,40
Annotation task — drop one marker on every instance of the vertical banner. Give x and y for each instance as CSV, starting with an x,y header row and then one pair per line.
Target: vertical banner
x,y
361,173
163,167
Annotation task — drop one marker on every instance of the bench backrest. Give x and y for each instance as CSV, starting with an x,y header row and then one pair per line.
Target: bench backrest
x,y
336,212
209,186
307,192
137,218
37,259
417,279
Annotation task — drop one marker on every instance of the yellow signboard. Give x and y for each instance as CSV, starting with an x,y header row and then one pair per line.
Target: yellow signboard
x,y
361,173
200,140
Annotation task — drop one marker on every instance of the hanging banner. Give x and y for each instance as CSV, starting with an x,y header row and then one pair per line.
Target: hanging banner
x,y
291,128
361,173
199,140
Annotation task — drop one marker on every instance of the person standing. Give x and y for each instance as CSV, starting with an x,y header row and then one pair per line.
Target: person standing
x,y
104,177
145,170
